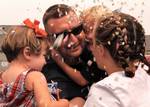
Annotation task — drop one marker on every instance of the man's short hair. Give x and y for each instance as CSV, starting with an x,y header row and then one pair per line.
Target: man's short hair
x,y
56,11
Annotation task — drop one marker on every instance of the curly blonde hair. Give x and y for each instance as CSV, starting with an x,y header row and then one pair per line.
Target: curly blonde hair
x,y
90,16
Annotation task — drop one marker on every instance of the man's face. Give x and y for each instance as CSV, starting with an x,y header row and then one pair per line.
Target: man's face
x,y
71,27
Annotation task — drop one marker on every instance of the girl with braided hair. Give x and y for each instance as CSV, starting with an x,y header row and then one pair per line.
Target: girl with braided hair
x,y
119,48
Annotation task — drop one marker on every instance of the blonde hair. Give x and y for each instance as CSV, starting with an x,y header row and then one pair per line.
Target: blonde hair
x,y
94,12
18,38
91,15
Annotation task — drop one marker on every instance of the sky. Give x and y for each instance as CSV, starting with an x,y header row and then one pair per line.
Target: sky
x,y
13,12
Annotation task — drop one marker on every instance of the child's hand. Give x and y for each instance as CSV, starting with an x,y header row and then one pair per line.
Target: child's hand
x,y
55,55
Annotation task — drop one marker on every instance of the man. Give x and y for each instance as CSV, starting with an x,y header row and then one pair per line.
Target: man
x,y
71,67
67,69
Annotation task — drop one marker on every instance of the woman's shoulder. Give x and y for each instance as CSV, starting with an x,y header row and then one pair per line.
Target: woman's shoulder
x,y
115,83
119,85
114,79
115,87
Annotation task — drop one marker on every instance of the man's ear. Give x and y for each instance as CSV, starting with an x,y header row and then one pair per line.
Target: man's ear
x,y
27,52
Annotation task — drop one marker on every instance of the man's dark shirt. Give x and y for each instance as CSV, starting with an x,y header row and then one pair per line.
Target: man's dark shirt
x,y
69,88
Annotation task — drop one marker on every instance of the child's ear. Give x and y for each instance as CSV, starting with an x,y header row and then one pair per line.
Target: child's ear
x,y
101,50
27,52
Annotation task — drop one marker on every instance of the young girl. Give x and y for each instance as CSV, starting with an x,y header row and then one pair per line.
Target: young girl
x,y
22,84
119,48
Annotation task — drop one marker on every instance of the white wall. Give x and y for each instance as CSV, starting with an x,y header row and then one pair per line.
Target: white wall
x,y
13,12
